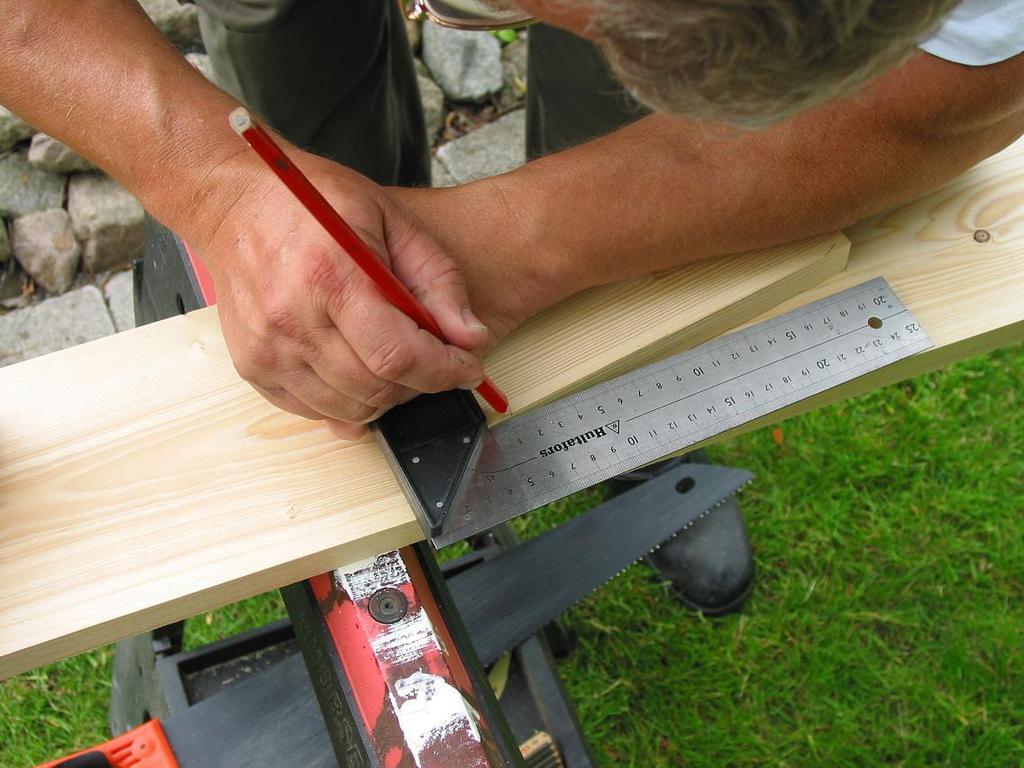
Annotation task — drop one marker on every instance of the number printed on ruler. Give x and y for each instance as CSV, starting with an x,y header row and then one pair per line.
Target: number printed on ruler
x,y
639,417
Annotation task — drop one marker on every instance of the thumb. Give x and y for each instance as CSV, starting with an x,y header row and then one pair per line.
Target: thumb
x,y
450,307
421,263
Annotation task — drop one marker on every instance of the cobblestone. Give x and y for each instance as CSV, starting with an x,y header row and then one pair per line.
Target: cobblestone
x,y
64,321
496,148
439,175
12,129
45,246
25,189
107,219
179,22
467,65
118,292
48,154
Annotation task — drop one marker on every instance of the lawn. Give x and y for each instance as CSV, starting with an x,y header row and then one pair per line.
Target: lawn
x,y
885,627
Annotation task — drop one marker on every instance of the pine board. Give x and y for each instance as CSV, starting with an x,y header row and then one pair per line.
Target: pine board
x,y
141,481
967,293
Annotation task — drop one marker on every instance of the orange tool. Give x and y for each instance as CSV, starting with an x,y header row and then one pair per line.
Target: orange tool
x,y
142,747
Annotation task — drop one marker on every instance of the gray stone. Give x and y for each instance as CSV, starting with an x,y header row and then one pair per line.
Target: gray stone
x,y
5,243
45,246
118,291
439,175
26,189
433,107
467,65
12,129
64,321
107,219
48,154
201,61
11,280
179,23
496,148
513,68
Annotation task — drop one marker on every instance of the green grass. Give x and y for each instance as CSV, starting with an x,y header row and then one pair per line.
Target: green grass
x,y
885,627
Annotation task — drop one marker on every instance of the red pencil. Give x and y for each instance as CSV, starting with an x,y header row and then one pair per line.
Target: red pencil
x,y
336,227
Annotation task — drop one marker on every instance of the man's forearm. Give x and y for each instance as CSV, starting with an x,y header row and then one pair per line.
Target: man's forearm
x,y
97,75
665,191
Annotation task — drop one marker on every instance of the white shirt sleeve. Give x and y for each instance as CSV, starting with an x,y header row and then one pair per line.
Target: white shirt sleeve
x,y
980,32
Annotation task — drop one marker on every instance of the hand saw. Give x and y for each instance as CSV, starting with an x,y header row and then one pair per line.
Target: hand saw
x,y
461,478
509,597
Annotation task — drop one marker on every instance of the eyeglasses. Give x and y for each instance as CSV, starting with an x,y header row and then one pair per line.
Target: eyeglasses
x,y
468,14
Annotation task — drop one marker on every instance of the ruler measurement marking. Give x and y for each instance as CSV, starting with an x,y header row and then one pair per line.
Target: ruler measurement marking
x,y
764,366
851,362
587,435
716,345
709,430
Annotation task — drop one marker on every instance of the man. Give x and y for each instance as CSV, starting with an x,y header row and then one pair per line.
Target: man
x,y
852,118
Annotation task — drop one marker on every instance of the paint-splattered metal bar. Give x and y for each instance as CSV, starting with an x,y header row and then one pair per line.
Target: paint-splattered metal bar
x,y
395,674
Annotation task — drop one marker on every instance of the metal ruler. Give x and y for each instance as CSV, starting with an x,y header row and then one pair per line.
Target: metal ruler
x,y
546,454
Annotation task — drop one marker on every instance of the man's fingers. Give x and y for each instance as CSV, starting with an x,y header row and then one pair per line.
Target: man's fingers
x,y
421,263
342,370
344,430
460,325
313,334
417,359
315,393
301,391
286,402
394,349
290,403
334,384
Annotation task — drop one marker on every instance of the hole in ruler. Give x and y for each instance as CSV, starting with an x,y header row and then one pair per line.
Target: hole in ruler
x,y
875,322
685,485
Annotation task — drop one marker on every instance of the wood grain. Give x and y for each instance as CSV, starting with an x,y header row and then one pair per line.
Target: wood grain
x,y
141,481
955,258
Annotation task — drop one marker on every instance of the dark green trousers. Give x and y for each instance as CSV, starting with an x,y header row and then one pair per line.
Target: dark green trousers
x,y
337,77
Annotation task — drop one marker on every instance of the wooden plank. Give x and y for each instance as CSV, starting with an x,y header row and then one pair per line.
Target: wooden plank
x,y
956,259
141,481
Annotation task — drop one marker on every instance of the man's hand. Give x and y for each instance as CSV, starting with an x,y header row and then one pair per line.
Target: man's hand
x,y
310,331
304,324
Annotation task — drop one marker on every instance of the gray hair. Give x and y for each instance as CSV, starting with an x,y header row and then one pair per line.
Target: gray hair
x,y
755,62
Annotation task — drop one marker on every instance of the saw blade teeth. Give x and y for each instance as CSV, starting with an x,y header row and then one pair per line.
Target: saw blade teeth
x,y
618,565
690,523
